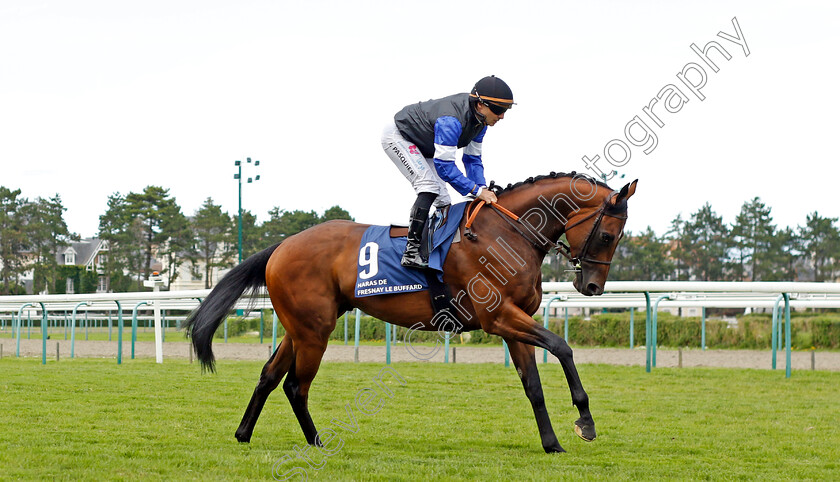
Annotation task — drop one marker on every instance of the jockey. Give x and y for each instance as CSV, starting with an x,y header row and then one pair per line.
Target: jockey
x,y
422,140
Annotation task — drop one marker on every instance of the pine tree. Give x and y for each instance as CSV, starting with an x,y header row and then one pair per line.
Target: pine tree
x,y
752,235
214,241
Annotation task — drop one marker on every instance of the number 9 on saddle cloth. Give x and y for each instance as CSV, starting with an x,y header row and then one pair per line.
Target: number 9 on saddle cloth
x,y
379,271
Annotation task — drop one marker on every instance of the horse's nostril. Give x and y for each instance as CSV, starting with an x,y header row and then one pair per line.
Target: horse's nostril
x,y
594,289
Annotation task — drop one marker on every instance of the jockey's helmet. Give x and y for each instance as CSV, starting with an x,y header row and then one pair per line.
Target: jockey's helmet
x,y
494,93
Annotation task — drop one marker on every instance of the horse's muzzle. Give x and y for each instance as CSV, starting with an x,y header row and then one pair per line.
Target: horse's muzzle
x,y
587,289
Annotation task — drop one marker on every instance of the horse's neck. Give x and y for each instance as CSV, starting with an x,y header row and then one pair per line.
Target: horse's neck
x,y
547,205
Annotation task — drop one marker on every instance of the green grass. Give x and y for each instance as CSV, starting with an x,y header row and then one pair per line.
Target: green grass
x,y
93,420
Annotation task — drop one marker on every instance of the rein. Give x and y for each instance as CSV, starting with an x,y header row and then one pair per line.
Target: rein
x,y
562,248
511,219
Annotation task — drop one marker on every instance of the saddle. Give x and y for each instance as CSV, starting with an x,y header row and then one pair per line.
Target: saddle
x,y
438,290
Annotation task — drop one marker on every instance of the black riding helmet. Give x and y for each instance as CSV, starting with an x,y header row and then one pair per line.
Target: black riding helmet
x,y
494,93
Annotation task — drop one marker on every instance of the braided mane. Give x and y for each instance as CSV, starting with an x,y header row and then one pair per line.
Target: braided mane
x,y
531,180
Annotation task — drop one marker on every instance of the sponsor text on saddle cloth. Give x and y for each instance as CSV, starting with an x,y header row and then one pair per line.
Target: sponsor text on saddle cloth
x,y
379,270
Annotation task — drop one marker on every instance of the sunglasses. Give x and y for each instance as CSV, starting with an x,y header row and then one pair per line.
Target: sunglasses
x,y
496,109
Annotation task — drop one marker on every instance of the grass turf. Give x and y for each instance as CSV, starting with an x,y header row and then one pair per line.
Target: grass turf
x,y
93,420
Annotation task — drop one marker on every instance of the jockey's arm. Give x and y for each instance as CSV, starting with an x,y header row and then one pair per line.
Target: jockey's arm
x,y
447,132
472,159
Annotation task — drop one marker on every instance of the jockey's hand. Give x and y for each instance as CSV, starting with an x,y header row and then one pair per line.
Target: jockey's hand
x,y
487,196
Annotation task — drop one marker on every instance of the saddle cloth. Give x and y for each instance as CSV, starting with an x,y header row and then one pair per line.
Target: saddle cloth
x,y
379,271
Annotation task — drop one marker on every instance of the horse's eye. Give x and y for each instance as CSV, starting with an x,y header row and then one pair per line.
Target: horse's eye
x,y
606,238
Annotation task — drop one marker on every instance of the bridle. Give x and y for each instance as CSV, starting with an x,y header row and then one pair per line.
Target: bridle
x,y
546,247
566,251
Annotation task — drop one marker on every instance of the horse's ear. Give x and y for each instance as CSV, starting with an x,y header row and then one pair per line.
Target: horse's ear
x,y
628,190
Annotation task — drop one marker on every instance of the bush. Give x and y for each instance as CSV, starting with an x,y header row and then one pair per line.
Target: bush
x,y
239,325
825,332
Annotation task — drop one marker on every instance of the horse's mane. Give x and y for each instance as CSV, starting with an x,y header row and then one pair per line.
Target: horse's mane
x,y
497,189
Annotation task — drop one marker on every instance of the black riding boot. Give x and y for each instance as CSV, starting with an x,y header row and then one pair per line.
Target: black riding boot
x,y
414,256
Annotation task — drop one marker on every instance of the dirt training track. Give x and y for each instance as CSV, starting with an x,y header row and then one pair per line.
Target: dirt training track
x,y
760,359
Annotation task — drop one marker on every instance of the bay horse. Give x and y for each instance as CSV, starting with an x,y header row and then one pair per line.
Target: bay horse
x,y
310,278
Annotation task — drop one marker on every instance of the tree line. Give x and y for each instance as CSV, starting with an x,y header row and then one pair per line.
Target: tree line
x,y
138,227
704,248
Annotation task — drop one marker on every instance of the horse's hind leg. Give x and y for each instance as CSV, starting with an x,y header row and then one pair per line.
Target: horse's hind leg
x,y
272,373
307,360
526,366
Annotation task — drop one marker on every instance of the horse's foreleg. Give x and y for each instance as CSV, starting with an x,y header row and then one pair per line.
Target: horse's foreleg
x,y
515,324
272,373
584,426
307,360
526,366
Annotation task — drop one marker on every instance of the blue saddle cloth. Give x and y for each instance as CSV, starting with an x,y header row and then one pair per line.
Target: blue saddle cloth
x,y
379,271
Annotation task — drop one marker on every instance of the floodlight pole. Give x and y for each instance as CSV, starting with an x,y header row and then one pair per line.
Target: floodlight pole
x,y
238,177
239,218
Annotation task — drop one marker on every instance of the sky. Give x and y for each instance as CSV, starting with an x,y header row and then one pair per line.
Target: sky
x,y
100,97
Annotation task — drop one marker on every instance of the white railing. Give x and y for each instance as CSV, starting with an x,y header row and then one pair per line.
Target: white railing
x,y
618,294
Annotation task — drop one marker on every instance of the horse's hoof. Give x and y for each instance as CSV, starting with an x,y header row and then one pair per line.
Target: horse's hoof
x,y
554,449
586,431
241,438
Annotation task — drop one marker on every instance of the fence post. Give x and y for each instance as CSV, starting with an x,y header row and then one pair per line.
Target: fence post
x,y
787,335
44,328
545,325
274,331
155,282
387,343
774,336
134,325
19,322
73,328
507,354
356,342
120,326
654,327
446,347
648,324
703,328
632,310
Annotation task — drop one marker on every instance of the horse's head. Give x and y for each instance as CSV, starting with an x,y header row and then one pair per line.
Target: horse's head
x,y
593,235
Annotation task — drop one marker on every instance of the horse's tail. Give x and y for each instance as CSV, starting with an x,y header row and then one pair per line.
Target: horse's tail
x,y
204,320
